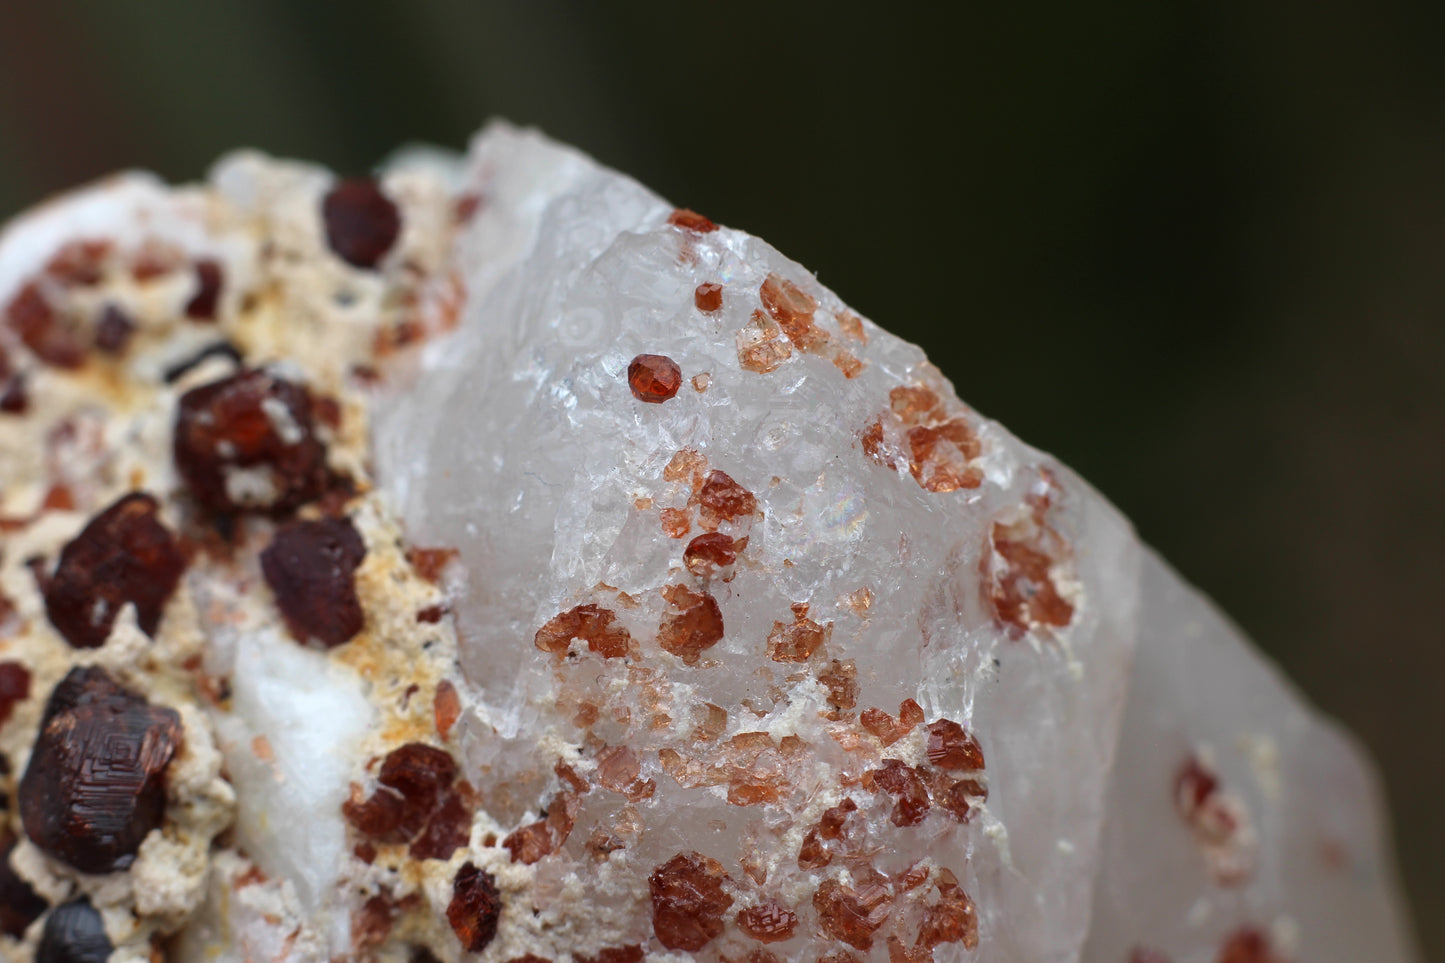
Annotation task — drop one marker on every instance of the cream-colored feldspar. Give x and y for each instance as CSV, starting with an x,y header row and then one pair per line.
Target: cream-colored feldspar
x,y
779,652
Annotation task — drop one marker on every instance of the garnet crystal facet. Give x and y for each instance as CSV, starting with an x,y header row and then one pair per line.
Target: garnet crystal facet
x,y
125,556
95,783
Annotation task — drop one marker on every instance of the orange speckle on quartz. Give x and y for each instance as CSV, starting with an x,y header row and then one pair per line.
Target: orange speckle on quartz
x,y
792,308
694,625
446,707
798,640
711,555
676,522
687,465
597,626
690,220
708,297
852,327
761,345
653,378
723,499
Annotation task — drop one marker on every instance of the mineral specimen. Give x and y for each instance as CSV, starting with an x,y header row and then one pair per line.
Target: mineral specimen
x,y
534,572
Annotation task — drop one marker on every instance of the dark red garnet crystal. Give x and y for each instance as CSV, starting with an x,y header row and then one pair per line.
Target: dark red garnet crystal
x,y
95,785
204,303
248,443
124,556
475,909
418,799
74,933
311,568
361,222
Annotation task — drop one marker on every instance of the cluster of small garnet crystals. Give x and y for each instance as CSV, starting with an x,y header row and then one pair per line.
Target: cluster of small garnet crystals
x,y
418,801
95,784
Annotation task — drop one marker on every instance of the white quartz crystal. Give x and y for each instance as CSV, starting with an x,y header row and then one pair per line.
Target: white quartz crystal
x,y
522,446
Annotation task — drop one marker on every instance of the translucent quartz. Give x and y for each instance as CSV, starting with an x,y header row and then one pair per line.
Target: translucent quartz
x,y
942,561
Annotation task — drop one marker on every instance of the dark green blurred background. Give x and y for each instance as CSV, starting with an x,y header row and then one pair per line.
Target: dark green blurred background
x,y
1196,249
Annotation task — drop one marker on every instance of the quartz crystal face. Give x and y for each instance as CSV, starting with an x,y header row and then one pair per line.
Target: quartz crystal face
x,y
488,560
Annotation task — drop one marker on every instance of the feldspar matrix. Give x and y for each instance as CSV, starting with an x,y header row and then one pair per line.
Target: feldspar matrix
x,y
488,560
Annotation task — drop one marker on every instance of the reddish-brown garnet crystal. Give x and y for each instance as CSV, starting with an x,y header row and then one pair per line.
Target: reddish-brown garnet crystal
x,y
796,641
446,707
80,263
690,220
431,563
204,304
853,914
19,906
792,308
653,378
529,843
596,626
448,830
616,954
95,783
723,499
475,909
952,919
248,443
950,746
707,297
694,625
417,800
420,774
45,332
123,556
14,687
688,901
1248,945
768,922
711,555
311,569
362,223
907,785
